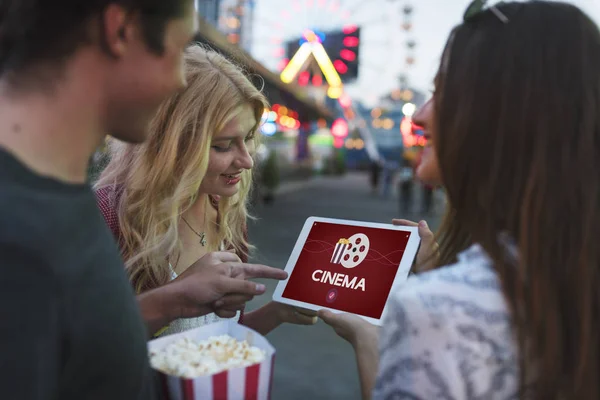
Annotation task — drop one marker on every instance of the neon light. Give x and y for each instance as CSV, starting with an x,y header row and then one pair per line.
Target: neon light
x,y
303,78
338,143
317,80
339,129
327,67
340,66
329,71
334,92
282,64
310,36
348,29
350,41
268,129
406,127
348,55
296,63
345,101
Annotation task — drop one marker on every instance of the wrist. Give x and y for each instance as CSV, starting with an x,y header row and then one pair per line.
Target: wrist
x,y
159,307
275,313
366,338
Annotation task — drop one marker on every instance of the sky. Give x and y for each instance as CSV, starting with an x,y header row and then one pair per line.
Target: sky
x,y
382,40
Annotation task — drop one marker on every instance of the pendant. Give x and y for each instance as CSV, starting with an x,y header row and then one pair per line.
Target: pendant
x,y
203,239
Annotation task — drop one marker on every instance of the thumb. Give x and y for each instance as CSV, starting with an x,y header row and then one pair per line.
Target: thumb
x,y
425,233
327,316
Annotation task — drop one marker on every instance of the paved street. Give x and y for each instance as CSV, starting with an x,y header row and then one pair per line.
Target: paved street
x,y
313,362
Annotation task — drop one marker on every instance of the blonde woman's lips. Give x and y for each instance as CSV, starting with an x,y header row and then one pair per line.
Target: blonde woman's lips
x,y
232,179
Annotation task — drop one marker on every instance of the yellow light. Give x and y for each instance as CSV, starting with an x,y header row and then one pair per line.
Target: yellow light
x,y
233,23
296,63
359,144
326,65
388,123
334,92
377,123
310,36
350,143
376,113
283,110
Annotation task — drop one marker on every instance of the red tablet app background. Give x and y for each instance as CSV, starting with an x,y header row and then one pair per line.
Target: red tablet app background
x,y
347,268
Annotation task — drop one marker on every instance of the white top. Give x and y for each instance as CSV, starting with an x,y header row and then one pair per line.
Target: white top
x,y
448,336
184,324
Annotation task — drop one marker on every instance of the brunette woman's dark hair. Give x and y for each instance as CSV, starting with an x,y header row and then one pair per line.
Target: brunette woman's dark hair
x,y
518,142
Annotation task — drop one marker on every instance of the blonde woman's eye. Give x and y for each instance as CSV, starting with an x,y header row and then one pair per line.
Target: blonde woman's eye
x,y
221,149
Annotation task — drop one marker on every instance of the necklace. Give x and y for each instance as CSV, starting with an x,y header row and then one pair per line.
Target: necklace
x,y
201,235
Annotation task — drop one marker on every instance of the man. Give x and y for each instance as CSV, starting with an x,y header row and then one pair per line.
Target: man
x,y
70,72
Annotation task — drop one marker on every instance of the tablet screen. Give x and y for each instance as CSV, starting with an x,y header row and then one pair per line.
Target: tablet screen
x,y
347,268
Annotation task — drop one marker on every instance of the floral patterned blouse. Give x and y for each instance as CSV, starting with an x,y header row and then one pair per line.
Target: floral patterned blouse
x,y
448,335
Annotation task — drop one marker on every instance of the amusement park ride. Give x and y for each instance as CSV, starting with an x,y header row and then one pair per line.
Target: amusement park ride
x,y
326,45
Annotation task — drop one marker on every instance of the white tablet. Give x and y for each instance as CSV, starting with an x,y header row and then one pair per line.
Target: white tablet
x,y
347,266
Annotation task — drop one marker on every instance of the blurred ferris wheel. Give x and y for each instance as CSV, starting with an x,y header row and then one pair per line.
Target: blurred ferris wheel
x,y
329,44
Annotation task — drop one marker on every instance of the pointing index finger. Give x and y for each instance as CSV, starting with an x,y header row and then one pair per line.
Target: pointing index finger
x,y
252,271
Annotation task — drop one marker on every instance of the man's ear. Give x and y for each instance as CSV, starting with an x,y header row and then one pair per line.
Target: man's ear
x,y
118,29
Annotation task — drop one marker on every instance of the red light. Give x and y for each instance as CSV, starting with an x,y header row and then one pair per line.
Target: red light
x,y
339,128
317,80
282,64
338,143
406,127
348,55
340,66
297,125
350,41
345,100
303,78
348,29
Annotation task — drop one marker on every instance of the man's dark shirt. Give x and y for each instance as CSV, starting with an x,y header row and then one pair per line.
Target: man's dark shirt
x,y
71,328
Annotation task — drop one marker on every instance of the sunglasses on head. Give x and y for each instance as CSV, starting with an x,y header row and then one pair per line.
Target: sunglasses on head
x,y
477,6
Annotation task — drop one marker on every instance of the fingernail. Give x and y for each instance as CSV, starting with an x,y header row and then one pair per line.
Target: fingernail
x,y
423,224
260,287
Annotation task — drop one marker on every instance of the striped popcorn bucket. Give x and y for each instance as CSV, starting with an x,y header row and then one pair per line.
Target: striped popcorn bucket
x,y
250,383
338,251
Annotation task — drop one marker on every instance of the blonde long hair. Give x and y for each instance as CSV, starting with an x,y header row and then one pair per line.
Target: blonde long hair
x,y
159,180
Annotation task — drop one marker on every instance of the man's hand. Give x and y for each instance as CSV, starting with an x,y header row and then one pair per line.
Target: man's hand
x,y
216,276
427,256
219,280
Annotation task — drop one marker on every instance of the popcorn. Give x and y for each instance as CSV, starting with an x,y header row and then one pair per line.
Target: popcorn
x,y
189,358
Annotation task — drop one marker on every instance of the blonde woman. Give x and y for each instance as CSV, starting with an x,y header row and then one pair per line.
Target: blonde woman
x,y
178,201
